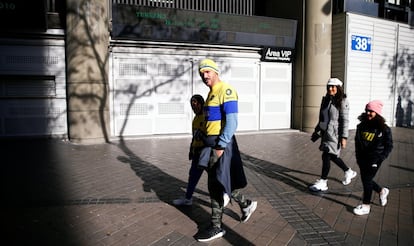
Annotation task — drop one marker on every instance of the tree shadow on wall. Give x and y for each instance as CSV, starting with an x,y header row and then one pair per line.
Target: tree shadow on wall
x,y
87,71
401,70
167,81
87,65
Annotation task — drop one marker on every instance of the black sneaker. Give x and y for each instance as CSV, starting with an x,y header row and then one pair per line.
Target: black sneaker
x,y
248,211
211,233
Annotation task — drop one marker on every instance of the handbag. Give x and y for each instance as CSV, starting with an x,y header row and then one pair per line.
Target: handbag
x,y
315,136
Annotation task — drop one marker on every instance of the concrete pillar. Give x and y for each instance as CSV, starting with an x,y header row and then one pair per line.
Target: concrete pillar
x,y
317,59
87,41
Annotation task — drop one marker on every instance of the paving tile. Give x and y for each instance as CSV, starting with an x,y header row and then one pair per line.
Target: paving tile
x,y
120,194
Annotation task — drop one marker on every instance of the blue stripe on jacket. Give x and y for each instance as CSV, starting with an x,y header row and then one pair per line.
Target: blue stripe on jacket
x,y
214,112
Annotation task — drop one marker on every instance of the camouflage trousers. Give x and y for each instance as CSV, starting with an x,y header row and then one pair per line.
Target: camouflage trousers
x,y
217,202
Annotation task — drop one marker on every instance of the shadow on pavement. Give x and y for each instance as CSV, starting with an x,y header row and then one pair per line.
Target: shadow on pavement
x,y
30,193
281,173
166,188
403,168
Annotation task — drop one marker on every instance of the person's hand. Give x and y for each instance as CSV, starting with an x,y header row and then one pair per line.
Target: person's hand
x,y
219,152
343,143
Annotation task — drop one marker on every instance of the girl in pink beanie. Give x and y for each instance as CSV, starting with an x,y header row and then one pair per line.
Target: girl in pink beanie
x,y
375,106
373,144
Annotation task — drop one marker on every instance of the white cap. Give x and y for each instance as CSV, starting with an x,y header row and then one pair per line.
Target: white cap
x,y
334,81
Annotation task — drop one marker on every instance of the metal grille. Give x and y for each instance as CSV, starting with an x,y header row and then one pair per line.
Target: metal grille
x,y
134,109
240,7
49,60
170,108
128,69
27,87
170,69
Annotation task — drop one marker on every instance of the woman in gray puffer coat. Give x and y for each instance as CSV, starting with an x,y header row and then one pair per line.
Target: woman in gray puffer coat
x,y
333,129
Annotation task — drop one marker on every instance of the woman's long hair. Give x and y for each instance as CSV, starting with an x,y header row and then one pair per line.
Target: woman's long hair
x,y
339,97
377,122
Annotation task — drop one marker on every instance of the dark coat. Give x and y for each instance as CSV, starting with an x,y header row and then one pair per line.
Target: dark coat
x,y
229,167
372,145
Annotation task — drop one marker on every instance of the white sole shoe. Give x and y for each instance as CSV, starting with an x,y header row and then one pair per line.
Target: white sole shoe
x,y
362,210
349,175
247,212
383,197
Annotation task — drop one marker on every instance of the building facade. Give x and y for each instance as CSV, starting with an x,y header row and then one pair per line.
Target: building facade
x,y
96,70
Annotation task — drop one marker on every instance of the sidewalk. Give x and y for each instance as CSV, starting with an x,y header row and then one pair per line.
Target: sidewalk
x,y
58,193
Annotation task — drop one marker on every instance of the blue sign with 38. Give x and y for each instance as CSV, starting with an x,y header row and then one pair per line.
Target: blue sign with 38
x,y
361,43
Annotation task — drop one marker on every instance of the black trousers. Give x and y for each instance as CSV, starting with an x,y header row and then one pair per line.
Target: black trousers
x,y
368,172
326,164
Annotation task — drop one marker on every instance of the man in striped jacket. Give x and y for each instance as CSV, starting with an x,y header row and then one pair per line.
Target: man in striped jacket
x,y
225,169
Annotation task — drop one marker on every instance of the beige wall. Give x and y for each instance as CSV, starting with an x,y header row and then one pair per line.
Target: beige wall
x,y
317,69
87,71
312,65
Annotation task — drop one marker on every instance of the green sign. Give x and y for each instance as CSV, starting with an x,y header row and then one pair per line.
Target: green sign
x,y
150,23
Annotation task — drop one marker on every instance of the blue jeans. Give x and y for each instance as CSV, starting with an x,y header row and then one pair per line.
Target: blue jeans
x,y
194,176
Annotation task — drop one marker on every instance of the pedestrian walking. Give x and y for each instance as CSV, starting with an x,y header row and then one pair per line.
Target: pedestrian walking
x,y
221,156
333,130
197,143
373,144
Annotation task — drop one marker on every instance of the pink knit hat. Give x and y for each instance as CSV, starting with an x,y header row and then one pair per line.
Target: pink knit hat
x,y
375,106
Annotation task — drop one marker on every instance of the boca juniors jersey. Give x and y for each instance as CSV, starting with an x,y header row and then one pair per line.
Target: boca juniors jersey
x,y
221,100
198,124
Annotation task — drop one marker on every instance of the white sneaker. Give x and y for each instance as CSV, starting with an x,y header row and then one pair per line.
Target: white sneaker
x,y
362,209
183,202
248,211
320,185
349,175
226,199
383,196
